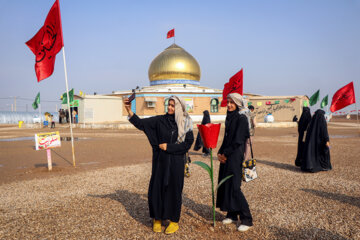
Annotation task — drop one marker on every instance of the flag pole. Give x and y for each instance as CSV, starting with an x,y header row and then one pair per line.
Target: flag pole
x,y
68,105
40,113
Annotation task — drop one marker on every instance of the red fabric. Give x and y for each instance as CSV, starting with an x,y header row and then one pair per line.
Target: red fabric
x,y
235,85
209,134
343,97
268,103
46,43
171,33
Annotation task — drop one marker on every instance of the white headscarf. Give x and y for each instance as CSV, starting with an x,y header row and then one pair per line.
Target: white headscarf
x,y
182,118
242,105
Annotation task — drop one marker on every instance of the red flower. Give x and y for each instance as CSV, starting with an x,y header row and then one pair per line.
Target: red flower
x,y
209,134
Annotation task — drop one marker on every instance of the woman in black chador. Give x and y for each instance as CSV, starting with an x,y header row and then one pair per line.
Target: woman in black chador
x,y
316,150
170,136
199,143
231,155
302,127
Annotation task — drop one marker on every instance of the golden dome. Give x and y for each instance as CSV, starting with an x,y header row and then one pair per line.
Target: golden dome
x,y
174,66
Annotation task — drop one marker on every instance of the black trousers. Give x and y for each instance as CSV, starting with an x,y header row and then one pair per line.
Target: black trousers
x,y
244,213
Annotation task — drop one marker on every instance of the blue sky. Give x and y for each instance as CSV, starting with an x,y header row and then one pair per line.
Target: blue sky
x,y
285,47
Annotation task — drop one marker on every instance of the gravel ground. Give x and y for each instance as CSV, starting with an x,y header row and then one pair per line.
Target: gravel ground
x,y
111,203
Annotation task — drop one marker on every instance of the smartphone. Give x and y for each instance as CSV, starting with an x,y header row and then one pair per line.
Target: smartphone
x,y
132,97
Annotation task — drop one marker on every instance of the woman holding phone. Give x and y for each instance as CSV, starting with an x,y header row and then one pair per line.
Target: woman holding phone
x,y
170,136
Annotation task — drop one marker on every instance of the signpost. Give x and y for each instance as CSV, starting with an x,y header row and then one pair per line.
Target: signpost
x,y
47,141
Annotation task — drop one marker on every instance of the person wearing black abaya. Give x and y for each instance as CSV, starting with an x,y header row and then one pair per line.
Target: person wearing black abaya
x,y
317,153
199,143
231,155
303,124
170,136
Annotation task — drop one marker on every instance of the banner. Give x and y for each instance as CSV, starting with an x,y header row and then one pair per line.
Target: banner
x,y
46,43
47,140
314,98
71,96
36,102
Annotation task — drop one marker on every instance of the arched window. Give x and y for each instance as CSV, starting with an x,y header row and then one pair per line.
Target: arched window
x,y
214,105
166,103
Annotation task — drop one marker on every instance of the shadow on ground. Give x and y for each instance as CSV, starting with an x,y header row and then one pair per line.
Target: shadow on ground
x,y
135,204
284,166
204,211
355,201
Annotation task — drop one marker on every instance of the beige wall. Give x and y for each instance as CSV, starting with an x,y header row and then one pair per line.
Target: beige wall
x,y
282,112
100,109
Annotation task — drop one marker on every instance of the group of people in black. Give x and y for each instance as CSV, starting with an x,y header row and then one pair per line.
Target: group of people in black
x,y
171,136
313,145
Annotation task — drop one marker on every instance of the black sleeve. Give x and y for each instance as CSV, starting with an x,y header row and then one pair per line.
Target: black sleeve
x,y
183,147
241,134
148,125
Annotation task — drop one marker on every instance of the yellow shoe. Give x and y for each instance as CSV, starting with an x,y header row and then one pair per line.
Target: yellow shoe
x,y
157,226
173,227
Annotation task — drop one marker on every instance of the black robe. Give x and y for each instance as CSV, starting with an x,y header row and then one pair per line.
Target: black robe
x,y
302,126
167,175
198,142
316,153
229,196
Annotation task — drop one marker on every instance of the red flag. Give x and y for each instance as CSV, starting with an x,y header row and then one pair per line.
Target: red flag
x,y
235,85
171,33
343,97
46,43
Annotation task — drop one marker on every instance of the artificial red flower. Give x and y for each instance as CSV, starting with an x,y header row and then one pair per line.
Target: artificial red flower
x,y
209,134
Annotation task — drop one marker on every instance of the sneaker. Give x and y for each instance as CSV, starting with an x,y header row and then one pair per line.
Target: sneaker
x,y
243,228
227,221
157,226
173,227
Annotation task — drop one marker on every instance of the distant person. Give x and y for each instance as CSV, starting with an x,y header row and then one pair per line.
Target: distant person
x,y
198,144
171,137
67,115
303,124
231,156
253,122
317,145
52,121
74,113
60,116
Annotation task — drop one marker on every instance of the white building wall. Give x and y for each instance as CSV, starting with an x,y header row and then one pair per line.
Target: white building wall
x,y
100,109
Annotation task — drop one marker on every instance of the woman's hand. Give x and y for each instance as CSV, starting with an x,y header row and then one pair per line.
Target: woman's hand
x,y
163,146
222,158
328,144
127,105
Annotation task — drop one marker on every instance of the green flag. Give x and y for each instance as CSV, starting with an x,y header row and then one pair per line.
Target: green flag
x,y
71,96
314,98
324,102
36,102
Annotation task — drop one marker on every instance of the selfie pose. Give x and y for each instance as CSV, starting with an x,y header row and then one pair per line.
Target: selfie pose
x,y
170,136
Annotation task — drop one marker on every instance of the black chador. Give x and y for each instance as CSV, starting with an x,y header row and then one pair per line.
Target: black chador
x,y
302,127
229,195
316,153
198,142
167,175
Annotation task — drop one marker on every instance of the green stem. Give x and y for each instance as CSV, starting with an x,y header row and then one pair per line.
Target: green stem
x,y
212,185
